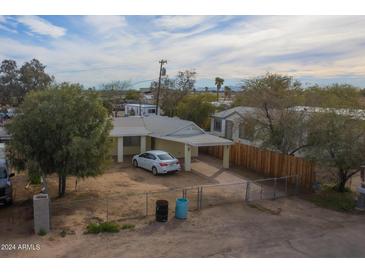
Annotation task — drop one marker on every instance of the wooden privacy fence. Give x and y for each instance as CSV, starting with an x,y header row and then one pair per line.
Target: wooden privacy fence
x,y
267,162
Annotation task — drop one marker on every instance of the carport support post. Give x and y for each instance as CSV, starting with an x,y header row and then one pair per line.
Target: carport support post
x,y
226,156
143,144
120,150
187,157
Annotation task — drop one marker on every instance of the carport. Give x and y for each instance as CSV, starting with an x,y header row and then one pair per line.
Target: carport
x,y
179,137
202,140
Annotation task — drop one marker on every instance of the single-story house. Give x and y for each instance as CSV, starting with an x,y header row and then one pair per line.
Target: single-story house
x,y
136,134
228,124
139,109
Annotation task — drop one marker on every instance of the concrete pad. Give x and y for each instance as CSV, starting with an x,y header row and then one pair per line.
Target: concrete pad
x,y
204,168
227,177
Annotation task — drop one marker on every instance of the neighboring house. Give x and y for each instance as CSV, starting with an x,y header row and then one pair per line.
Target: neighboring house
x,y
139,109
358,114
229,124
147,95
222,102
182,138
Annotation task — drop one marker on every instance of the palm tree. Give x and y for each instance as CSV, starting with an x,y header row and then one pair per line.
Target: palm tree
x,y
219,83
227,92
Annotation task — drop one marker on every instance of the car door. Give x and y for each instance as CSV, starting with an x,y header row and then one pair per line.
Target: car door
x,y
142,160
150,161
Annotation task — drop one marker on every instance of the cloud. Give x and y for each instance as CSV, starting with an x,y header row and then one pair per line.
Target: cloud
x,y
179,22
6,25
231,47
105,24
41,26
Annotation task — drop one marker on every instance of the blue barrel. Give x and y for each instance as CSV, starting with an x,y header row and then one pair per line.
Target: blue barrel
x,y
182,207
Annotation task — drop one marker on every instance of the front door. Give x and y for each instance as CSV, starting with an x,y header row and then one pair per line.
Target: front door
x,y
153,143
229,129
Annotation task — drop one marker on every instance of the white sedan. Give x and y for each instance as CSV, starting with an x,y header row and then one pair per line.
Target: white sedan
x,y
158,161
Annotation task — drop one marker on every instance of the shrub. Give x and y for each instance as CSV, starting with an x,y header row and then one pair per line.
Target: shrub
x,y
42,232
95,228
128,226
63,233
332,199
109,227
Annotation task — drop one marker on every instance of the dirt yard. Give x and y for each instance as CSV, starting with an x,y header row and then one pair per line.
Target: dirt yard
x,y
281,228
288,227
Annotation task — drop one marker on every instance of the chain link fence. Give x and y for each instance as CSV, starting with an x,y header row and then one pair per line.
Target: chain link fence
x,y
138,205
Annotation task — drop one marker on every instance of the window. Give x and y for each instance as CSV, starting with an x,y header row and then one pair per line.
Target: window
x,y
151,110
165,157
217,125
3,173
131,141
151,156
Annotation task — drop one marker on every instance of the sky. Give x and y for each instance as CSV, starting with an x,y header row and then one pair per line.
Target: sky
x,y
93,50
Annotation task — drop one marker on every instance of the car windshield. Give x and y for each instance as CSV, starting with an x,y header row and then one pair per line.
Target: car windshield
x,y
165,156
3,174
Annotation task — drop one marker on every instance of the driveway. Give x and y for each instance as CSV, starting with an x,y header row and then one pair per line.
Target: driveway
x,y
211,168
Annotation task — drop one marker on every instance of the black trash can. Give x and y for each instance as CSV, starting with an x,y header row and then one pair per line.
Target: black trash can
x,y
162,210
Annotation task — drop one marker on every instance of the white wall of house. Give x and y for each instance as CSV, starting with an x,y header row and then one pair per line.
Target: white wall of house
x,y
139,110
235,118
237,121
175,148
214,130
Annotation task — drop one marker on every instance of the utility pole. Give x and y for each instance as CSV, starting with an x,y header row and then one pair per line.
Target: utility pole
x,y
162,72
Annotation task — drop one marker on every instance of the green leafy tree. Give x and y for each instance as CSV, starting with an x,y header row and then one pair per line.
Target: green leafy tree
x,y
9,82
196,108
278,126
169,95
116,86
333,96
133,95
338,144
15,83
62,130
33,77
219,83
173,90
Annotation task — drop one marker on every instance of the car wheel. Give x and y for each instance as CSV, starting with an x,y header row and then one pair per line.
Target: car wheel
x,y
135,163
154,171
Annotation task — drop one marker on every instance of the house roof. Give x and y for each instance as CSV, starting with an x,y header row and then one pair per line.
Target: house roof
x,y
163,127
129,126
199,140
229,112
354,113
